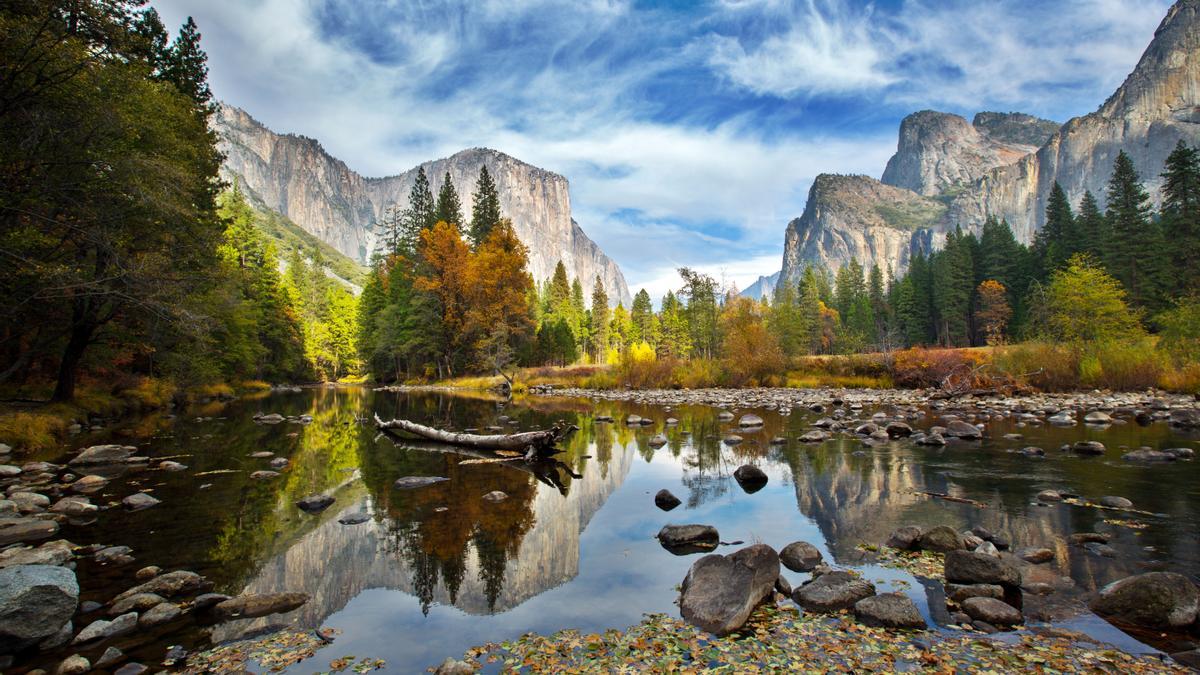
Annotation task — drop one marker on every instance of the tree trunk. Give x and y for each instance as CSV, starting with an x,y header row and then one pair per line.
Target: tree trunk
x,y
68,368
537,443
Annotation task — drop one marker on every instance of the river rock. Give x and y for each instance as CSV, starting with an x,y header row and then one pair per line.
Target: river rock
x,y
899,430
264,475
89,483
987,548
960,592
1157,600
252,605
315,503
103,454
725,416
991,610
814,436
132,668
140,500
355,518
169,585
1036,555
800,556
15,530
451,666
138,602
782,585
960,429
1088,448
100,629
410,482
720,592
73,665
1115,502
279,463
208,601
1185,418
1148,455
904,538
172,466
657,441
1097,417
682,539
147,573
164,612
941,539
9,471
832,592
633,420
111,657
1181,453
58,552
665,500
36,601
29,502
272,418
113,555
750,477
889,610
495,496
1049,496
969,567
749,420
732,440
932,439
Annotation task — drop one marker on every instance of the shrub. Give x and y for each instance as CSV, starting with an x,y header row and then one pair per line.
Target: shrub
x,y
1040,365
1083,303
32,431
1181,330
919,368
1128,365
698,374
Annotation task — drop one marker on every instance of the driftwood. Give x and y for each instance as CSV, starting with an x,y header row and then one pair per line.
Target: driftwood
x,y
545,469
952,498
533,443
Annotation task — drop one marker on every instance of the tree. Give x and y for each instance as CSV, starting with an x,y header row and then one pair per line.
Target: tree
x,y
1092,227
750,351
641,316
420,214
497,283
701,311
993,310
448,208
1181,216
786,320
1057,240
443,277
953,281
674,341
485,207
1085,304
1136,247
392,233
599,320
186,66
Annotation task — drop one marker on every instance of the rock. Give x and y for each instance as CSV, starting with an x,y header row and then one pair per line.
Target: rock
x,y
14,530
889,610
720,592
671,421
73,665
172,466
103,454
1157,600
1049,496
58,552
1190,658
969,567
633,420
1036,555
208,601
866,429
113,555
665,500
250,606
832,592
683,539
410,482
110,657
932,439
814,436
991,610
89,483
315,503
159,614
1181,453
147,573
138,602
132,668
264,475
905,538
732,440
272,418
169,585
1185,418
74,507
899,430
657,441
495,496
960,429
1033,451
279,463
941,539
960,592
988,548
749,420
1097,417
750,477
783,586
1148,455
140,500
101,629
725,416
36,601
452,667
262,454
1116,502
1088,448
800,556
355,519
9,471
1081,538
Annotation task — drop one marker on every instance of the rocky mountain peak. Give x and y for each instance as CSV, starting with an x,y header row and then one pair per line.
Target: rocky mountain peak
x,y
1165,84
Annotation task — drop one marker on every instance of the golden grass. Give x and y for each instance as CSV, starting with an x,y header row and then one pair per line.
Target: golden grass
x,y
32,430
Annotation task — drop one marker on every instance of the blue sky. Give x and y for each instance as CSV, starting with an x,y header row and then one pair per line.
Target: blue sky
x,y
690,131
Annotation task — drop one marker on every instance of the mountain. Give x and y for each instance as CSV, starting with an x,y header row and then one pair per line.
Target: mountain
x,y
947,172
763,287
295,176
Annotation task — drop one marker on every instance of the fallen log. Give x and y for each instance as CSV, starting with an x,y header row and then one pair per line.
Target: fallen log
x,y
952,498
544,469
533,443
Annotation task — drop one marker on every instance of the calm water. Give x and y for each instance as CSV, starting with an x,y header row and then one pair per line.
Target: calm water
x,y
438,569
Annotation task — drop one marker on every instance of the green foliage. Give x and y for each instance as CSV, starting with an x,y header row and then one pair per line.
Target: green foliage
x,y
1135,249
485,207
1181,217
1083,303
448,208
1180,330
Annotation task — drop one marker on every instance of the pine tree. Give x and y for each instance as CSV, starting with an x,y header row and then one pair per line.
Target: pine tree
x,y
674,341
810,302
953,285
1092,227
392,236
1055,242
641,316
599,321
1181,216
448,209
485,207
187,65
152,38
420,214
1135,251
919,318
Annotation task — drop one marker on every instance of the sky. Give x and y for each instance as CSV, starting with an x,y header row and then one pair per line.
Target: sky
x,y
690,132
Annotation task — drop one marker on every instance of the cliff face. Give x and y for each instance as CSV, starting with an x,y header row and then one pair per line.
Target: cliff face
x,y
940,151
295,176
859,217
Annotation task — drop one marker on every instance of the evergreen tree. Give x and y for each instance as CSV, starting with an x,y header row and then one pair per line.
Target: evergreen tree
x,y
1136,248
1092,227
953,285
701,293
674,340
152,37
186,65
485,207
392,235
448,208
599,321
810,305
1181,216
421,212
1056,241
785,320
580,326
919,319
641,316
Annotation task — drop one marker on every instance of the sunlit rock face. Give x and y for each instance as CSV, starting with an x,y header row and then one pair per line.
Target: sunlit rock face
x,y
334,563
297,177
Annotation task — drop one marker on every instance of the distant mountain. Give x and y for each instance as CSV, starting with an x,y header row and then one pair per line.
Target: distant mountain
x,y
296,177
763,287
947,172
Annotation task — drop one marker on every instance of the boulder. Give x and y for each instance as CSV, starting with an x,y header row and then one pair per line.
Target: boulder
x,y
750,420
684,539
139,500
941,539
1185,418
101,629
1088,448
991,610
411,482
1156,600
960,592
315,503
264,475
9,471
1049,496
89,483
814,436
172,466
57,552
147,573
904,538
110,657
164,612
36,601
169,585
960,429
832,592
720,591
657,441
899,430
208,601
800,556
253,605
889,610
783,586
932,439
14,530
665,500
74,507
103,454
138,602
1097,417
750,477
969,567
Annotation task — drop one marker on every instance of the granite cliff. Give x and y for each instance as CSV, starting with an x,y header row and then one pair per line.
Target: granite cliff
x,y
295,176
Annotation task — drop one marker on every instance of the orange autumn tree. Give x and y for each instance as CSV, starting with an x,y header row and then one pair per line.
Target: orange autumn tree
x,y
498,283
751,351
993,310
443,274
